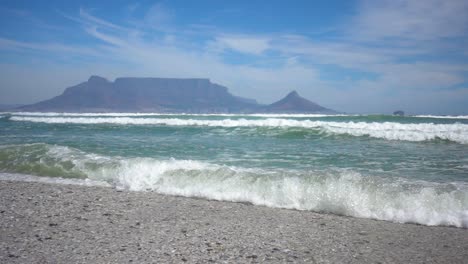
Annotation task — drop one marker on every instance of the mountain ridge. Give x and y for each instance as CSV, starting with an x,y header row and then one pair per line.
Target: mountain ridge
x,y
166,95
294,103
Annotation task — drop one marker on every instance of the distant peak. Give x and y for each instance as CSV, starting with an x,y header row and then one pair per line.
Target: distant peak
x,y
293,94
95,78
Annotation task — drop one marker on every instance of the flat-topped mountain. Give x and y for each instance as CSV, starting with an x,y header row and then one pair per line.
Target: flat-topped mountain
x,y
145,95
163,95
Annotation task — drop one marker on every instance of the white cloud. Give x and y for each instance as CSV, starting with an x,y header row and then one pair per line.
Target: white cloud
x,y
244,44
93,31
419,76
150,49
425,20
56,48
158,16
97,21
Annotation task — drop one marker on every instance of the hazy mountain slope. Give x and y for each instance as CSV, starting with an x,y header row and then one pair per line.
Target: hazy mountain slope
x,y
294,103
164,95
145,94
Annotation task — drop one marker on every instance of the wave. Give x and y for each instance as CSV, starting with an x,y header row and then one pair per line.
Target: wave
x,y
383,130
133,114
55,180
443,117
338,191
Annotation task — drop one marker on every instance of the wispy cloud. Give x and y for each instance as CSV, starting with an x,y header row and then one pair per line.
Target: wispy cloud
x,y
158,16
243,43
52,48
422,20
398,43
97,21
108,39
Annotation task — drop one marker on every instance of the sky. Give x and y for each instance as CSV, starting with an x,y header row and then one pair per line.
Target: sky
x,y
351,56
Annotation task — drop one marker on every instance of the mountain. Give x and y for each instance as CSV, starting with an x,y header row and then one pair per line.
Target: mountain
x,y
145,95
294,103
6,107
166,95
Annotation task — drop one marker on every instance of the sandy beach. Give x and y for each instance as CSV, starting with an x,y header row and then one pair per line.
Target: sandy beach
x,y
52,223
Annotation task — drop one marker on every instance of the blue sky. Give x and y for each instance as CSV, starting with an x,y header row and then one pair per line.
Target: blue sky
x,y
353,56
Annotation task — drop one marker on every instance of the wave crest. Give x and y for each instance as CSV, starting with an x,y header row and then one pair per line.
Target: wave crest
x,y
338,191
384,130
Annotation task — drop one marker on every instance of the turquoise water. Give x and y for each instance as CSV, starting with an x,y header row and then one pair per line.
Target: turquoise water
x,y
402,169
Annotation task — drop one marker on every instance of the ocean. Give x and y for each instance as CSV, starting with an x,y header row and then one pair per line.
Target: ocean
x,y
403,169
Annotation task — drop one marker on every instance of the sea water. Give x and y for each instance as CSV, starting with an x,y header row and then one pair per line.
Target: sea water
x,y
402,169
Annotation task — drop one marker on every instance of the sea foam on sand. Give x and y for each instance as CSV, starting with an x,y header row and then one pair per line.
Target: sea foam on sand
x,y
56,223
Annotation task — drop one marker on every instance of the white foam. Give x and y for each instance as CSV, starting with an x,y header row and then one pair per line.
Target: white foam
x,y
338,191
443,117
54,180
143,114
347,193
387,130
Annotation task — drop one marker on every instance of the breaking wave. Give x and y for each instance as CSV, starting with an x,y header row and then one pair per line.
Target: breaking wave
x,y
384,130
338,191
443,117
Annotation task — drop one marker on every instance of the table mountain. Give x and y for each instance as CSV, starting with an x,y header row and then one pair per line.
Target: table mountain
x,y
163,95
145,95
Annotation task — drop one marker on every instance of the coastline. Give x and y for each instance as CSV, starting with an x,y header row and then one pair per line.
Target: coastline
x,y
41,222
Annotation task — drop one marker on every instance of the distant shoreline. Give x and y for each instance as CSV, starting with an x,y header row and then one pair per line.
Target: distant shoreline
x,y
69,223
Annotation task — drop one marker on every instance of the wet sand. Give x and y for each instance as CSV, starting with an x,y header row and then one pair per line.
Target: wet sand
x,y
52,223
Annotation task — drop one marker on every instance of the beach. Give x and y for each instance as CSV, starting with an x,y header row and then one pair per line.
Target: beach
x,y
57,223
234,132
